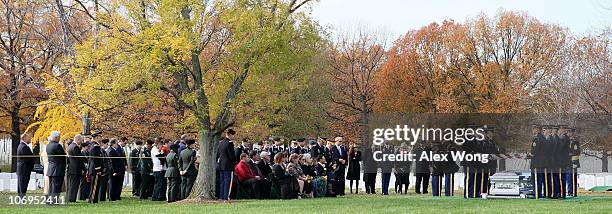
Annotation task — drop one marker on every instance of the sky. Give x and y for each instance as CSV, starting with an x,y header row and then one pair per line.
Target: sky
x,y
395,17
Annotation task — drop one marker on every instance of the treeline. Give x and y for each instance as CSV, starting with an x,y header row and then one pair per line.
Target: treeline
x,y
161,68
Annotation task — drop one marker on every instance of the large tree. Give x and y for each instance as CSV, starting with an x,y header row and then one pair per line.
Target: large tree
x,y
354,60
203,55
500,64
28,49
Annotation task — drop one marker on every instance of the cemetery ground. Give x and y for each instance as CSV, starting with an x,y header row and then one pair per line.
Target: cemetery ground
x,y
586,203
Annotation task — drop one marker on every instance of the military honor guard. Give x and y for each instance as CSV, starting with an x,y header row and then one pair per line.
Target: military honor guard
x,y
226,162
574,163
96,171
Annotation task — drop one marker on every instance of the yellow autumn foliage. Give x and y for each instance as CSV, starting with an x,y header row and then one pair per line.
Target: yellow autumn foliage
x,y
54,117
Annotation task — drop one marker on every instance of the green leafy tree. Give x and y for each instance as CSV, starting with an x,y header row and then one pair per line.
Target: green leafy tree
x,y
210,57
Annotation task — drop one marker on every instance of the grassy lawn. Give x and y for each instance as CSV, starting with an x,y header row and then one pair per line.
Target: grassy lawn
x,y
593,203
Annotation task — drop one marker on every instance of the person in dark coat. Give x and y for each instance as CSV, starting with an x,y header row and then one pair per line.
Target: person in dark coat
x,y
146,171
354,168
187,168
57,166
422,170
370,171
386,167
133,164
76,168
226,162
317,148
116,178
402,172
284,179
25,164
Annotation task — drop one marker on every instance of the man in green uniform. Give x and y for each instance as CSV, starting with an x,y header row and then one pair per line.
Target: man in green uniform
x,y
172,174
187,168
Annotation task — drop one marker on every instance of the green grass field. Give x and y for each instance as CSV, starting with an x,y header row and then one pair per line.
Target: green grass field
x,y
592,203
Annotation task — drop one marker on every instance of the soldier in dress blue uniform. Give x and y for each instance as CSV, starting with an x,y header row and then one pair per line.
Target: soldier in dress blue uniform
x,y
489,168
469,168
276,147
318,148
549,145
437,173
563,157
575,163
555,163
97,169
537,161
244,147
302,148
450,168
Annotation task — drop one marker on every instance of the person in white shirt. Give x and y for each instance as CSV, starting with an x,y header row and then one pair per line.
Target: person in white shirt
x,y
159,168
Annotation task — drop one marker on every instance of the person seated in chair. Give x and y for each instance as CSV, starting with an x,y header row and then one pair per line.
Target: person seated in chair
x,y
264,181
285,180
247,177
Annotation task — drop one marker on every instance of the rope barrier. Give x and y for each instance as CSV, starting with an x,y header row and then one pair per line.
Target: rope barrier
x,y
79,156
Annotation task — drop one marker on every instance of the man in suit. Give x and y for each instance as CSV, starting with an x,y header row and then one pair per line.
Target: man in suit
x,y
76,168
57,166
146,171
186,165
134,158
226,160
276,148
25,163
116,178
339,155
264,182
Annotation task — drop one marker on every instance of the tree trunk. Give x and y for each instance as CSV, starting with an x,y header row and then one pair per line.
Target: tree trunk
x,y
204,187
15,134
604,161
364,122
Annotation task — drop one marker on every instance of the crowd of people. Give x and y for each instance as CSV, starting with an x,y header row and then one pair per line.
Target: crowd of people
x,y
93,168
164,170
